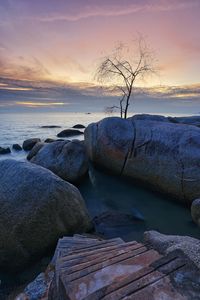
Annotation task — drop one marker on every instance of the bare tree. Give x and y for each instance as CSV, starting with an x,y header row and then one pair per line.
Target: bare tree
x,y
123,69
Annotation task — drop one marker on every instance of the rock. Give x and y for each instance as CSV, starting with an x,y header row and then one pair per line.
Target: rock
x,y
113,223
37,207
146,117
161,155
169,243
192,120
49,140
38,288
195,211
36,148
50,126
79,126
17,147
4,150
67,159
30,143
69,132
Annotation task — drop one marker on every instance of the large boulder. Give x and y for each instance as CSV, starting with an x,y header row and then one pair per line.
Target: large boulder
x,y
30,143
162,155
67,159
36,208
169,243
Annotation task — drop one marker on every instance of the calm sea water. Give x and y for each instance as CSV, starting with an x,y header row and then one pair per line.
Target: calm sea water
x,y
15,127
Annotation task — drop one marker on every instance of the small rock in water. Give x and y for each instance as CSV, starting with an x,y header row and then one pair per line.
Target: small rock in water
x,y
49,140
79,126
50,126
4,150
17,147
69,132
30,143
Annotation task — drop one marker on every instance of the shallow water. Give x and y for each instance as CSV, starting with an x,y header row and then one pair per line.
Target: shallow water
x,y
104,192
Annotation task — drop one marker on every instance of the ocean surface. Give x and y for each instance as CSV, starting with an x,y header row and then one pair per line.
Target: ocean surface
x,y
16,127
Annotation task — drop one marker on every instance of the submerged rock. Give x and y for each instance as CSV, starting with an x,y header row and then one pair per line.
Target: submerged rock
x,y
195,211
112,223
50,126
169,243
30,143
36,148
4,150
17,147
79,126
69,132
67,159
37,207
162,155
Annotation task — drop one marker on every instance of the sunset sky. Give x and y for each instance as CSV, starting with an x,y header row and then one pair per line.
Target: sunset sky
x,y
49,49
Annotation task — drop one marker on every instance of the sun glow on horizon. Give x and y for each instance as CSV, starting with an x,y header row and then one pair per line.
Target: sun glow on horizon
x,y
40,104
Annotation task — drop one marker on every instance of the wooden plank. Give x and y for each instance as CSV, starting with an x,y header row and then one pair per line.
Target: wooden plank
x,y
92,282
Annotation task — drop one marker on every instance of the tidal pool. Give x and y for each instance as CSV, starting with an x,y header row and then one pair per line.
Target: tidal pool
x,y
108,193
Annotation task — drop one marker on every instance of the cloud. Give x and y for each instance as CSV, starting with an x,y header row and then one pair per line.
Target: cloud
x,y
23,68
110,9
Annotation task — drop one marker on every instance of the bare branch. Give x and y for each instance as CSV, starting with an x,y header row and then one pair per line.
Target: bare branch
x,y
124,72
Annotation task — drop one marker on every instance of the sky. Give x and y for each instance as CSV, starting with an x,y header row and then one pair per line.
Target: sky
x,y
50,49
